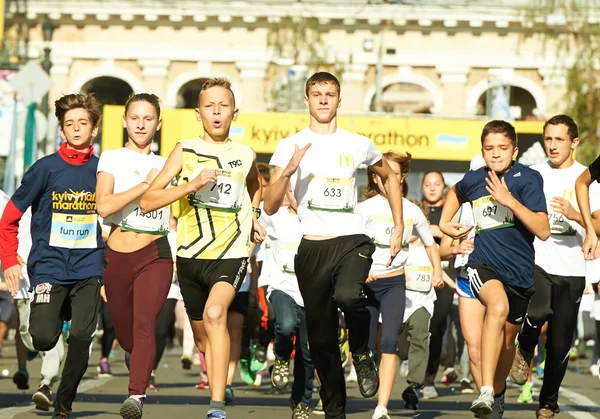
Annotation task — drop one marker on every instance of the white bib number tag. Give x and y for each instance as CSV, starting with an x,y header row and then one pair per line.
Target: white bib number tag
x,y
331,194
154,222
418,278
225,195
74,231
383,227
289,253
491,215
559,225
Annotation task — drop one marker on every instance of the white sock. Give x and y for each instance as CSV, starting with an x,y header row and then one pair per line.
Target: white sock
x,y
487,389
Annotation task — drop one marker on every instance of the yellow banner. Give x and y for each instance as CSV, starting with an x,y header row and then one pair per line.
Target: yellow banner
x,y
424,138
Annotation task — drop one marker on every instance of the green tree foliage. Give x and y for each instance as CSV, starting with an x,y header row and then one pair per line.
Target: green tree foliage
x,y
569,30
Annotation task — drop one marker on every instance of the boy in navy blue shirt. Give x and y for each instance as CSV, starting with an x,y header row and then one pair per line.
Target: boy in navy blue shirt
x,y
66,260
510,210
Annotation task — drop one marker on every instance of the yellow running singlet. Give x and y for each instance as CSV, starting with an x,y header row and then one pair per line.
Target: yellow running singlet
x,y
216,221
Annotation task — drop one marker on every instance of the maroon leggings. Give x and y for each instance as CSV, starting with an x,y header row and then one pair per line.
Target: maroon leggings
x,y
137,285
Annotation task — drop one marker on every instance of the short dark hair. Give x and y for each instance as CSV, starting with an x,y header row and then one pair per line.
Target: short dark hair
x,y
75,101
323,77
150,98
265,170
563,120
500,127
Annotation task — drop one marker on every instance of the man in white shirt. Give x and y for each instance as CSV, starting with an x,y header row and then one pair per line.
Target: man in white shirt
x,y
559,274
334,256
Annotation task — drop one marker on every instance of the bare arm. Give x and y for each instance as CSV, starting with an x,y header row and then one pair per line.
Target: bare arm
x,y
393,192
582,190
434,257
159,196
536,222
255,192
447,225
280,181
109,203
253,184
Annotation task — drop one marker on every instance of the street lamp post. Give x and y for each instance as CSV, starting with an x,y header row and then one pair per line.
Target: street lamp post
x,y
48,31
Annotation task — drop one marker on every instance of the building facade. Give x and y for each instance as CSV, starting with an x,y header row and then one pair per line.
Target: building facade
x,y
434,57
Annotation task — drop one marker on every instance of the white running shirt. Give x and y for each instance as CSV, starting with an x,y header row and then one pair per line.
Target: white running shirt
x,y
129,169
561,254
325,182
283,229
415,300
379,225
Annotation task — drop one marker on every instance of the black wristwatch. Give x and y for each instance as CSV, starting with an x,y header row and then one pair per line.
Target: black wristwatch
x,y
258,212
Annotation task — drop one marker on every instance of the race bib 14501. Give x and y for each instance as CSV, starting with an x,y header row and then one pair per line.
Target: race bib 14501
x,y
74,231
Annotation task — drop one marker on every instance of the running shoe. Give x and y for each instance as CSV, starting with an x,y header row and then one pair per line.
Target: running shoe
x,y
132,407
259,359
60,415
152,383
217,414
526,395
595,370
449,376
21,379
299,411
466,387
186,362
318,410
483,405
573,354
410,395
521,366
229,396
104,370
539,370
352,377
280,377
42,398
404,369
366,371
246,374
203,382
429,392
66,330
380,413
271,352
498,409
544,413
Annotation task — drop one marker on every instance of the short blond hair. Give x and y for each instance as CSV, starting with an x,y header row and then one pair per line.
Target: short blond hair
x,y
217,81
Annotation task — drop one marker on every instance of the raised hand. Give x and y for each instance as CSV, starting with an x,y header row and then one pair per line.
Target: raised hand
x,y
206,176
299,153
498,189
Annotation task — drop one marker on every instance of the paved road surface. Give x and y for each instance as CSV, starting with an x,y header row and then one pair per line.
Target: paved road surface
x,y
178,398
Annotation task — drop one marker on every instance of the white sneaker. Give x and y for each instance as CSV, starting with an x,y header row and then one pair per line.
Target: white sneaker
x,y
380,413
270,353
352,377
595,370
404,369
483,405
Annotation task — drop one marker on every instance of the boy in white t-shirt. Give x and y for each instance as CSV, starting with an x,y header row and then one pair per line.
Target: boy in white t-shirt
x,y
320,163
559,274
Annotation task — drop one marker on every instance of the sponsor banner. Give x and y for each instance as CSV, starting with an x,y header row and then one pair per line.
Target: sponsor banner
x,y
424,138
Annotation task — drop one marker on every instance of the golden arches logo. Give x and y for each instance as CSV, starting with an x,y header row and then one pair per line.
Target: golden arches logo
x,y
347,160
568,194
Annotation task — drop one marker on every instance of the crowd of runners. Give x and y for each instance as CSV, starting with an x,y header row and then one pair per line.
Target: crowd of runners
x,y
260,264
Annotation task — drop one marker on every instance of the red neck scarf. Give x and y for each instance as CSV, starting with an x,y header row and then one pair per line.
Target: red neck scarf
x,y
75,157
